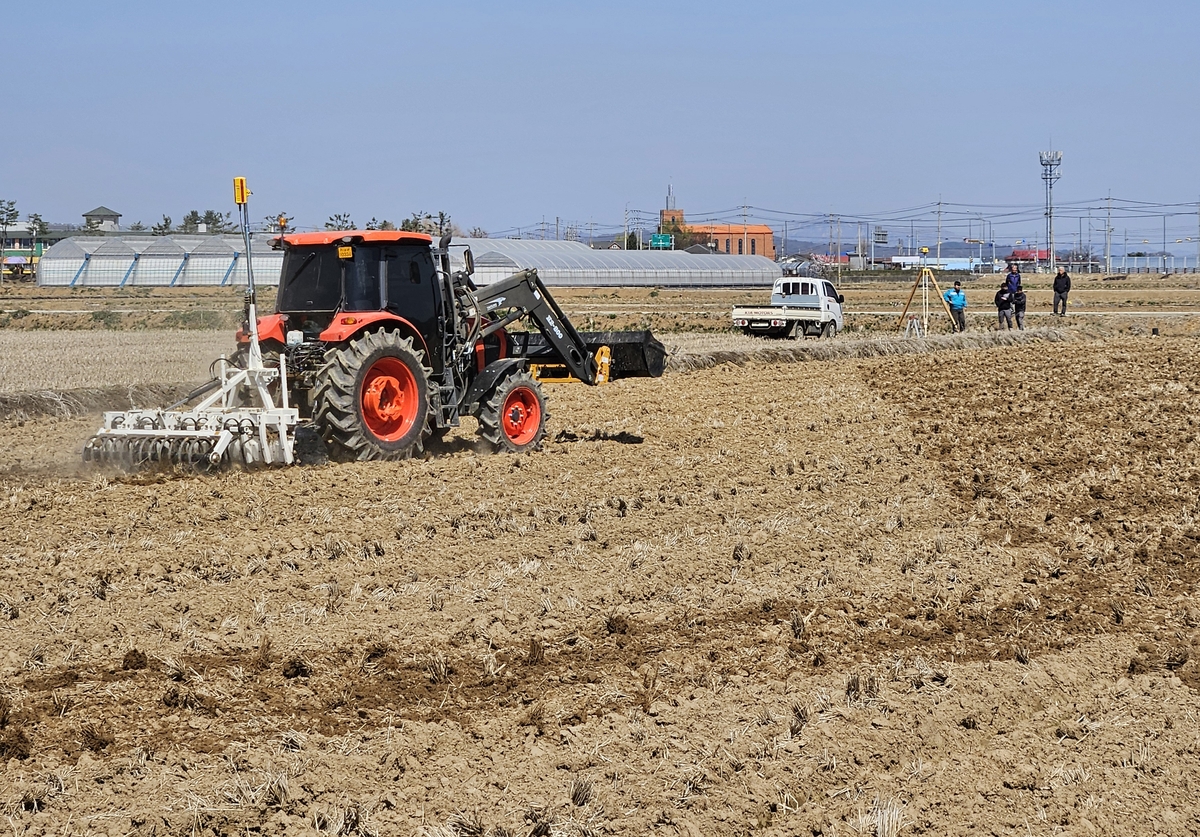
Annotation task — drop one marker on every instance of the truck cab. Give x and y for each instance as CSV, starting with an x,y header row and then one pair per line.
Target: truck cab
x,y
810,294
800,306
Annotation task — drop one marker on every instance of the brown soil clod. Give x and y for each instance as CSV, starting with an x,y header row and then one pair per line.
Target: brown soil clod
x,y
297,666
95,738
616,623
134,660
15,744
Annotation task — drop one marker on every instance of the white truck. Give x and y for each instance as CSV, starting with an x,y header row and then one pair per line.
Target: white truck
x,y
800,307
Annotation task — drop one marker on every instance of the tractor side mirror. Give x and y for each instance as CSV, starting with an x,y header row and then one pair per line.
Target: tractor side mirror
x,y
469,262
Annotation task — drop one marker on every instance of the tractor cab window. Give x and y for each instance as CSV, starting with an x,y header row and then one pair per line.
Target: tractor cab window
x,y
409,272
310,281
363,290
412,285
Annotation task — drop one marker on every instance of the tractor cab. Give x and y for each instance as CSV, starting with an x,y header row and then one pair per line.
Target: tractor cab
x,y
328,276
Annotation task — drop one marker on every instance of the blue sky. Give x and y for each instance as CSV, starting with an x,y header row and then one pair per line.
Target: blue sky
x,y
502,114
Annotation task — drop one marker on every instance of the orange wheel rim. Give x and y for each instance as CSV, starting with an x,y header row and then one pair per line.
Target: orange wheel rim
x,y
521,416
390,400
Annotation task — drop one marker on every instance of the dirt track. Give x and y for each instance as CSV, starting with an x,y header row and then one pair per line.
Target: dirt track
x,y
948,592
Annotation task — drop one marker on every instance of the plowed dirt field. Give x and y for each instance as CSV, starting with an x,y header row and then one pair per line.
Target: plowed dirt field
x,y
938,594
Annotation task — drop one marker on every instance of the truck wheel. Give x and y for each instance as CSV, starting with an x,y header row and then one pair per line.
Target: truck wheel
x,y
513,419
829,330
371,398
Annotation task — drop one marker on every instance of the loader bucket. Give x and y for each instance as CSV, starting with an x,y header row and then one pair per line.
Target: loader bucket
x,y
635,354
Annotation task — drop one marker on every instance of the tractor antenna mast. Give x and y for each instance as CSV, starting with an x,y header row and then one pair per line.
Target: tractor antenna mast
x,y
241,197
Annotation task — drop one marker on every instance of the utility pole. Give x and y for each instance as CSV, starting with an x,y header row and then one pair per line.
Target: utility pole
x,y
939,241
745,245
839,248
625,238
1050,161
1164,250
784,254
1108,238
556,228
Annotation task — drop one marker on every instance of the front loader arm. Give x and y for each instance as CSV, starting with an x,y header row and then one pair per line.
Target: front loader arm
x,y
523,295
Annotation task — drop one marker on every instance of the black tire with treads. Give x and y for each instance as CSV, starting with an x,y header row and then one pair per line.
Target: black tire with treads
x,y
520,394
338,397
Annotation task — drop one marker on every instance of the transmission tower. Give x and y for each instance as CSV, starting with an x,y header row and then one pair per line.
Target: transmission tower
x,y
1051,160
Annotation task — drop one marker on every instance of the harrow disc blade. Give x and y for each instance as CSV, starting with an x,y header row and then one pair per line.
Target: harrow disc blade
x,y
136,452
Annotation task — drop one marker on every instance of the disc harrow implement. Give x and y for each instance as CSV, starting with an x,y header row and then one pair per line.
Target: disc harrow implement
x,y
235,419
201,439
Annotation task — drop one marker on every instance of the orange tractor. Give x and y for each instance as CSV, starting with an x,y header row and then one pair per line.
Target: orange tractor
x,y
377,344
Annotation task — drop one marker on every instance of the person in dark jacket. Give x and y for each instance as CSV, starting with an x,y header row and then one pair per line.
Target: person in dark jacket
x,y
1018,300
1013,278
1062,287
1004,305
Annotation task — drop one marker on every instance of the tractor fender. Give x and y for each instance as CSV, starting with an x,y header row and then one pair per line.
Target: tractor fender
x,y
486,380
347,326
270,327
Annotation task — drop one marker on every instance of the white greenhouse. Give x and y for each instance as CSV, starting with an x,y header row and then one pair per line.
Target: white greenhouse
x,y
169,260
571,263
191,260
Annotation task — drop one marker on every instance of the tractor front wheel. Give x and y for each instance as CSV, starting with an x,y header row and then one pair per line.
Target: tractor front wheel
x,y
513,418
371,398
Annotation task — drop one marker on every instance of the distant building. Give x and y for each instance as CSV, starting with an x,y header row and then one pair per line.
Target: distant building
x,y
102,218
947,263
739,239
734,239
1029,255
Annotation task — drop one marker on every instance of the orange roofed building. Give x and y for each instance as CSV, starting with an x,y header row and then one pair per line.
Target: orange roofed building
x,y
738,239
735,239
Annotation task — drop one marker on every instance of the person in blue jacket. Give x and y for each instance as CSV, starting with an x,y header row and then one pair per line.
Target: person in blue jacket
x,y
1013,278
957,300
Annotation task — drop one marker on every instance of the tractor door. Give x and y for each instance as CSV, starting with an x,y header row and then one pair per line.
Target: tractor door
x,y
412,291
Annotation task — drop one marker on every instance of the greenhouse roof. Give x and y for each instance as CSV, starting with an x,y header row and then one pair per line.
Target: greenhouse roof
x,y
575,256
156,246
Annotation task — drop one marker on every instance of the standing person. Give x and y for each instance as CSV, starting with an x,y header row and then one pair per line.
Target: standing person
x,y
1062,287
1019,306
957,300
1013,278
1004,311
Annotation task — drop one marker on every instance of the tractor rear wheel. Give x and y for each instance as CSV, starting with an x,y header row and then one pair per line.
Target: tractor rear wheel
x,y
371,398
513,418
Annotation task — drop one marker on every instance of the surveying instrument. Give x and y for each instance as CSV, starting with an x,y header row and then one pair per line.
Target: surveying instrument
x,y
917,325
